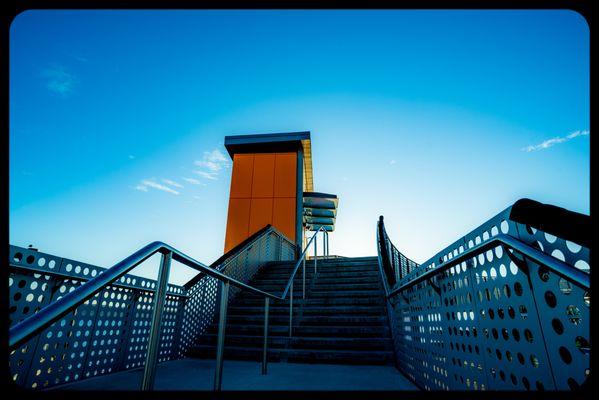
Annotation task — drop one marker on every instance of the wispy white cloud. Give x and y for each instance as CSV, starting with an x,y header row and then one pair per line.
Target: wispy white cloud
x,y
212,163
193,181
59,80
80,58
212,166
172,183
207,175
155,185
556,140
392,162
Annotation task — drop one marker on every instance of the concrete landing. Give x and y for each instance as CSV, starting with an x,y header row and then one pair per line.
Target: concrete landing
x,y
198,374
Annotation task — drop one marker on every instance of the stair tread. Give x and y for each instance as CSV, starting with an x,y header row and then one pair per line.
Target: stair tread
x,y
343,318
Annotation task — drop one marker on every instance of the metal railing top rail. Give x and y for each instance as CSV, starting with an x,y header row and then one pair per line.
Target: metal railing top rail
x,y
226,259
562,269
299,261
33,325
380,243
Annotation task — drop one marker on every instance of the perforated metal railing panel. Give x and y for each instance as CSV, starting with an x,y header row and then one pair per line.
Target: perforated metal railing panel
x,y
110,331
487,323
106,333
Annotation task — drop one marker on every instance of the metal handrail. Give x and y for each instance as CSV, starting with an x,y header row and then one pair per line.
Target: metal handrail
x,y
223,266
302,257
289,287
29,327
561,268
26,329
33,325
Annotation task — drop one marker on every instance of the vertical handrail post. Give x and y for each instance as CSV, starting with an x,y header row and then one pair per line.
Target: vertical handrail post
x,y
147,381
315,252
324,244
304,278
265,348
291,309
220,346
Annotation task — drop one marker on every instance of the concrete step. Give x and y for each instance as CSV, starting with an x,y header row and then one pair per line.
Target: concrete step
x,y
341,343
313,320
267,280
323,267
244,340
375,357
381,331
322,273
277,319
318,286
318,294
347,274
343,301
310,309
356,310
344,320
258,310
301,342
356,357
259,302
341,331
343,280
278,289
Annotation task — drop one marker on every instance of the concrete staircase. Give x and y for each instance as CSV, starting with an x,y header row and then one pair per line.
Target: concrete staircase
x,y
342,321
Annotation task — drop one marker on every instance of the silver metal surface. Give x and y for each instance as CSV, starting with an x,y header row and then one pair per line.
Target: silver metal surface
x,y
265,347
291,311
315,256
220,346
505,307
147,382
93,339
304,279
110,331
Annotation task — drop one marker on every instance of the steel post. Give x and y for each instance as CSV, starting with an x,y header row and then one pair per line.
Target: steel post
x,y
304,278
290,309
220,346
147,382
265,348
315,252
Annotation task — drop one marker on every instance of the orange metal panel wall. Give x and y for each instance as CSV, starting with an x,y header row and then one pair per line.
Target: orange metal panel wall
x,y
263,191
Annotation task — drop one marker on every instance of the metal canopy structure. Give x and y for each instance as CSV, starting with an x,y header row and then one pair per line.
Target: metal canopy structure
x,y
320,209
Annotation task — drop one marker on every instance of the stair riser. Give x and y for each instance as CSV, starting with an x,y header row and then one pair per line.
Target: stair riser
x,y
309,320
374,280
346,311
310,310
343,317
314,294
314,302
323,268
310,302
308,331
300,343
341,287
306,356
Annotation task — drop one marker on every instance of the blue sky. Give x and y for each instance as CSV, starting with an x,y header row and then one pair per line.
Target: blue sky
x,y
437,120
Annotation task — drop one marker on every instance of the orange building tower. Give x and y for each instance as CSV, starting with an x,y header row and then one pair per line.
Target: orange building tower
x,y
270,174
